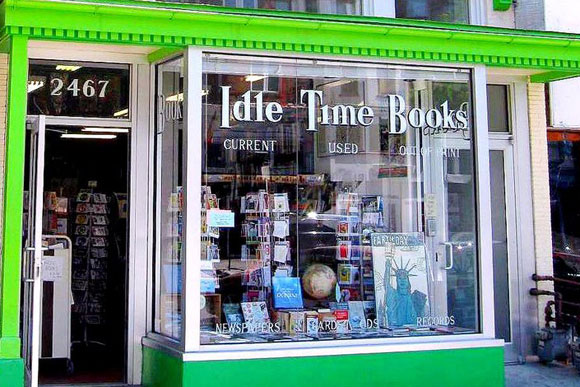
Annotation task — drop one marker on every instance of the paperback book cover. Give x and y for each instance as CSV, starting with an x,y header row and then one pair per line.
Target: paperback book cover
x,y
255,315
356,315
233,314
287,293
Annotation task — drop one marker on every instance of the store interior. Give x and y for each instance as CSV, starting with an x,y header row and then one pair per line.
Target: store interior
x,y
85,200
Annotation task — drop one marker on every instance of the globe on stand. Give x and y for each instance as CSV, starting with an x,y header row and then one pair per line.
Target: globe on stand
x,y
319,281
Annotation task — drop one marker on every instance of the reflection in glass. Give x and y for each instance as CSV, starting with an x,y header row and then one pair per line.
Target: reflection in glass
x,y
362,226
564,164
498,108
500,247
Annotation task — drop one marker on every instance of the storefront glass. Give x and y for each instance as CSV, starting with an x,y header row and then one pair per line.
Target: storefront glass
x,y
169,182
453,11
78,89
338,201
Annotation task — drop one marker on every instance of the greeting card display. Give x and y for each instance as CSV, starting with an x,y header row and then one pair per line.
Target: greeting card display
x,y
210,252
90,259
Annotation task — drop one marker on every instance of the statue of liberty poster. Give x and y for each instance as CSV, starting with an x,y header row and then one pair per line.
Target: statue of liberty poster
x,y
400,274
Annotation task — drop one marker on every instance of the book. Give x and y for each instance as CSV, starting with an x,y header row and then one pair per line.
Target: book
x,y
400,278
287,293
292,322
344,250
256,316
233,314
341,316
348,274
356,315
311,322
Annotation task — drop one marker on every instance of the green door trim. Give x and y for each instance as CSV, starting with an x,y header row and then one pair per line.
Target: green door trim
x,y
10,275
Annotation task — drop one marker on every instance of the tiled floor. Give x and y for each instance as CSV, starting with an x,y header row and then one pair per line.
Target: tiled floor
x,y
540,375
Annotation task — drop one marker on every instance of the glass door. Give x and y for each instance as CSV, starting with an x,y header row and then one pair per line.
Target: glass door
x,y
32,254
504,237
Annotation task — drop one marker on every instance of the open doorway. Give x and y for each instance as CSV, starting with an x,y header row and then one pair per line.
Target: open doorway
x,y
83,303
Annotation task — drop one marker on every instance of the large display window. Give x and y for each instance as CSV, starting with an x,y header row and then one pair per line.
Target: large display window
x,y
338,201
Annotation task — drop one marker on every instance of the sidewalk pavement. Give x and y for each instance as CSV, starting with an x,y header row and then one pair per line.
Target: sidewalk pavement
x,y
541,375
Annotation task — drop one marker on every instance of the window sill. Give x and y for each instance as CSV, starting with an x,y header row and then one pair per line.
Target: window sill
x,y
328,348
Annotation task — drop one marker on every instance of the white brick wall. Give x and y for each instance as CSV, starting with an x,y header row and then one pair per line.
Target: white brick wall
x,y
540,190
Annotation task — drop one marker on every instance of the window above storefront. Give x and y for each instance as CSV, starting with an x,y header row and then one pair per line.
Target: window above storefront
x,y
452,11
334,7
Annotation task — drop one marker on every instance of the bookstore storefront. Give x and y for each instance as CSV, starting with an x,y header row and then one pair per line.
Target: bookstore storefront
x,y
287,203
338,213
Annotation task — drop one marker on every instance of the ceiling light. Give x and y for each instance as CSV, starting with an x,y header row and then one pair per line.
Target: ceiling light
x,y
175,98
67,67
336,83
34,85
88,136
106,130
121,113
254,78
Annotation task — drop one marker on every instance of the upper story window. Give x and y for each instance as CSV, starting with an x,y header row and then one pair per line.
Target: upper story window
x,y
453,11
339,7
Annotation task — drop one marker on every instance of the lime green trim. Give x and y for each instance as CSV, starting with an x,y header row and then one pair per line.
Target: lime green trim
x,y
472,367
11,373
163,53
389,22
162,24
552,76
502,5
13,192
161,369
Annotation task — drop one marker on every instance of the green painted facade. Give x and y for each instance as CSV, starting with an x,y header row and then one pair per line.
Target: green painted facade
x,y
11,372
169,27
450,368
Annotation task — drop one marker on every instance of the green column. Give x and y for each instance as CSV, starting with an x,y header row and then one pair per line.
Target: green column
x,y
13,192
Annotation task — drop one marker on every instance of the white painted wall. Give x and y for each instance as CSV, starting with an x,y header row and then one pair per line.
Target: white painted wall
x,y
563,16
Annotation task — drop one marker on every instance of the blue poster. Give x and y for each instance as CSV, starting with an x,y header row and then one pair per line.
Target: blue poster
x,y
287,293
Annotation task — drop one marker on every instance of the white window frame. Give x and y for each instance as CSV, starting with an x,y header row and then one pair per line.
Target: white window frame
x,y
194,351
